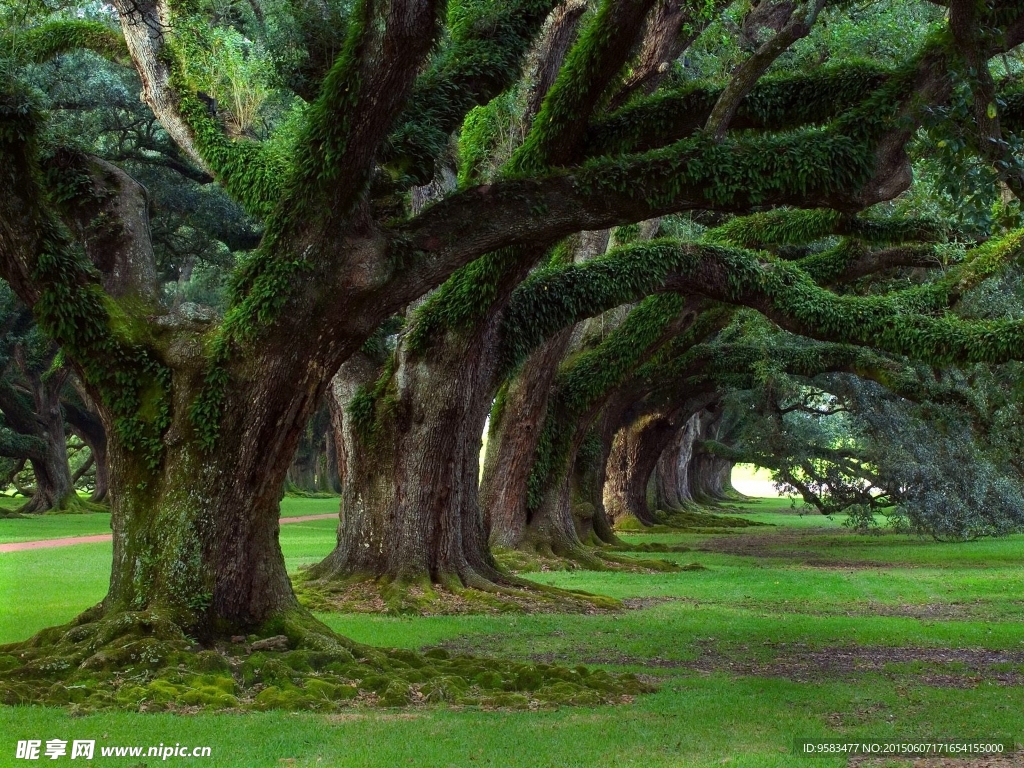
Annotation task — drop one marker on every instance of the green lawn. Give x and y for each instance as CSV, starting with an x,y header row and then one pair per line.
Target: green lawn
x,y
34,527
736,649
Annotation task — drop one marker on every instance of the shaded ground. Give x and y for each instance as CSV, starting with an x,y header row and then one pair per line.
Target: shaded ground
x,y
368,596
979,609
935,667
1006,761
798,545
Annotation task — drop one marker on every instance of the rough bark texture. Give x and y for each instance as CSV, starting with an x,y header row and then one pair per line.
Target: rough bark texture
x,y
409,488
512,442
199,536
671,476
635,453
550,525
671,27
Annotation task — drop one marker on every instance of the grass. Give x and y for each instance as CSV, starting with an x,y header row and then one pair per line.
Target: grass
x,y
35,527
729,646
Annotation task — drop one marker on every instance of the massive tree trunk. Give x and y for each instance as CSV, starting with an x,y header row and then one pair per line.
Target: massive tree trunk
x,y
43,424
514,431
197,537
409,509
671,476
635,452
571,510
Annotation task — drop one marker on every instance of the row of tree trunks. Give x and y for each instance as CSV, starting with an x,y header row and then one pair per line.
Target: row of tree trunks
x,y
31,406
710,475
635,452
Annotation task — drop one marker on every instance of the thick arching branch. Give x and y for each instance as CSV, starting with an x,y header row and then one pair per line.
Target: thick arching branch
x,y
43,42
671,27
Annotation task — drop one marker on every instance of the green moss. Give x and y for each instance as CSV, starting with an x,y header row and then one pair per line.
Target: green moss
x,y
445,688
458,80
775,103
586,378
210,661
528,679
50,670
40,44
489,680
290,699
507,701
397,694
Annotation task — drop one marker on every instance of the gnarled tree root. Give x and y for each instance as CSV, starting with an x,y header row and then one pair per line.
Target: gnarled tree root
x,y
542,557
141,661
691,520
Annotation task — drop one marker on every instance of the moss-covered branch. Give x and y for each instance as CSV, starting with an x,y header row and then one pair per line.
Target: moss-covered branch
x,y
833,166
775,103
42,43
587,378
484,56
49,274
166,62
589,69
562,294
803,227
902,322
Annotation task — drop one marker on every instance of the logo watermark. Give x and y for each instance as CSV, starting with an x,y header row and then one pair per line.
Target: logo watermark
x,y
85,749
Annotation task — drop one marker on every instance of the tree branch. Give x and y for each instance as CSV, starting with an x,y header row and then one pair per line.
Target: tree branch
x,y
751,70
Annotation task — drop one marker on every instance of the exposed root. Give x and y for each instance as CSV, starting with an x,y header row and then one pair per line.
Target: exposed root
x,y
695,520
583,558
143,662
69,505
362,594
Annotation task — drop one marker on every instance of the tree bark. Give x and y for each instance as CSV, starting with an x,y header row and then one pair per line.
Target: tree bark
x,y
709,474
54,488
635,453
671,478
86,424
514,431
409,509
196,538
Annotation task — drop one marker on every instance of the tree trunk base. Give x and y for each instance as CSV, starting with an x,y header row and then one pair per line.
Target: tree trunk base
x,y
140,661
72,504
532,557
694,518
445,596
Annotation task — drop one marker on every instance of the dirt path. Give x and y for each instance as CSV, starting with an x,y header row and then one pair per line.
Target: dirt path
x,y
21,546
1015,760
